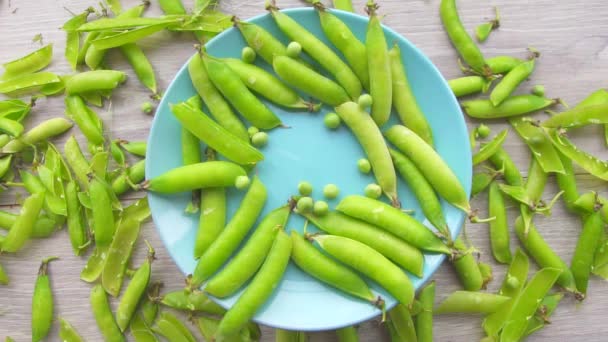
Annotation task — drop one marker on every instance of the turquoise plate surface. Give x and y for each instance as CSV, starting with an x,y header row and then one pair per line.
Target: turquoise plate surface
x,y
307,151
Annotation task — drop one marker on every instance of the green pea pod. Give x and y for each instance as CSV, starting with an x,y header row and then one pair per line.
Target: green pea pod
x,y
126,180
260,288
103,218
117,154
87,120
28,83
172,6
119,255
233,234
260,40
94,267
499,228
28,64
502,161
134,292
125,23
22,229
518,193
141,65
103,315
590,163
138,210
5,165
192,301
195,176
469,85
380,73
346,334
567,183
4,280
208,327
38,134
212,219
329,271
588,242
97,80
128,37
403,323
67,332
487,150
140,331
172,328
512,106
404,101
547,306
16,109
424,320
76,161
215,136
75,220
539,144
511,81
400,252
482,181
579,116
72,44
250,257
503,64
467,267
137,148
42,303
471,302
86,45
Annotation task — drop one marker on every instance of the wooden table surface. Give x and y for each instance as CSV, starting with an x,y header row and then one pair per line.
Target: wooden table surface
x,y
573,40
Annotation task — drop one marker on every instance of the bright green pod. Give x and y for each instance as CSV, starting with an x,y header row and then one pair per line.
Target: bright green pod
x,y
119,255
42,303
195,176
379,65
512,106
22,229
134,292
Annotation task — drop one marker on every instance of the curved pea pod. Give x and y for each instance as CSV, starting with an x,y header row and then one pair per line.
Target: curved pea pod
x,y
28,64
511,81
40,133
482,31
467,267
236,92
67,332
578,117
368,261
400,252
591,164
340,35
212,219
542,253
370,138
247,260
141,65
469,85
134,292
215,136
598,97
401,320
16,109
392,220
193,301
327,270
22,229
503,64
72,43
77,162
103,315
87,120
380,70
588,242
471,302
233,234
133,175
267,85
318,51
517,193
512,106
136,148
309,81
42,303
430,164
119,255
487,150
125,23
102,215
259,290
4,280
424,320
196,176
502,161
128,37
539,144
97,80
29,83
540,319
75,219
499,228
468,50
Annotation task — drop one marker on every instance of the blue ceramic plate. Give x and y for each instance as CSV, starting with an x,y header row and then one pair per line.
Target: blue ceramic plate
x,y
307,151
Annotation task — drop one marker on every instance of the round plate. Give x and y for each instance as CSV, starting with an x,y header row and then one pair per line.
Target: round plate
x,y
307,151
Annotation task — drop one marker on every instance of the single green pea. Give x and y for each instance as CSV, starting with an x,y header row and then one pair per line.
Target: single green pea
x,y
242,182
259,139
364,165
538,90
365,101
305,204
373,190
252,130
320,208
483,131
332,120
248,55
331,191
305,188
294,49
147,107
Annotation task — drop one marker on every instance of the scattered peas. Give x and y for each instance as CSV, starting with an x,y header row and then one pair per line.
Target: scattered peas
x,y
294,49
242,182
365,101
373,191
305,204
320,208
364,165
305,188
332,120
483,131
259,139
331,191
147,107
248,55
538,90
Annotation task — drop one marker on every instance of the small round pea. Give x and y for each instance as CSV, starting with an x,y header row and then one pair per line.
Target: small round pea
x,y
483,131
252,130
332,120
305,188
331,191
365,101
147,107
512,282
248,55
242,182
304,205
320,208
373,191
364,165
538,90
259,139
294,49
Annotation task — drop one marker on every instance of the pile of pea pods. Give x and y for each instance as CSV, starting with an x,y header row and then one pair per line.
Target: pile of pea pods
x,y
360,236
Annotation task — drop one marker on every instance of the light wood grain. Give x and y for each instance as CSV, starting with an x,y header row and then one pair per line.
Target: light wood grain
x,y
572,37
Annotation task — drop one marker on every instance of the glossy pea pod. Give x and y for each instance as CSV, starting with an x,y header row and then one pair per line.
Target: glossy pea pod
x,y
502,161
191,153
511,81
404,101
487,150
102,215
16,109
402,321
119,255
195,176
482,180
397,250
86,119
72,44
567,183
136,148
140,330
595,166
67,333
512,106
579,116
319,52
540,145
424,320
42,303
261,41
249,258
172,329
471,302
347,334
588,242
95,264
469,85
268,86
22,229
340,35
379,67
141,66
75,219
134,174
547,306
191,301
208,327
503,64
237,93
103,315
282,335
327,270
172,6
43,82
499,228
232,235
259,289
77,161
468,50
29,63
599,96
98,80
370,138
40,133
54,205
215,136
467,267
